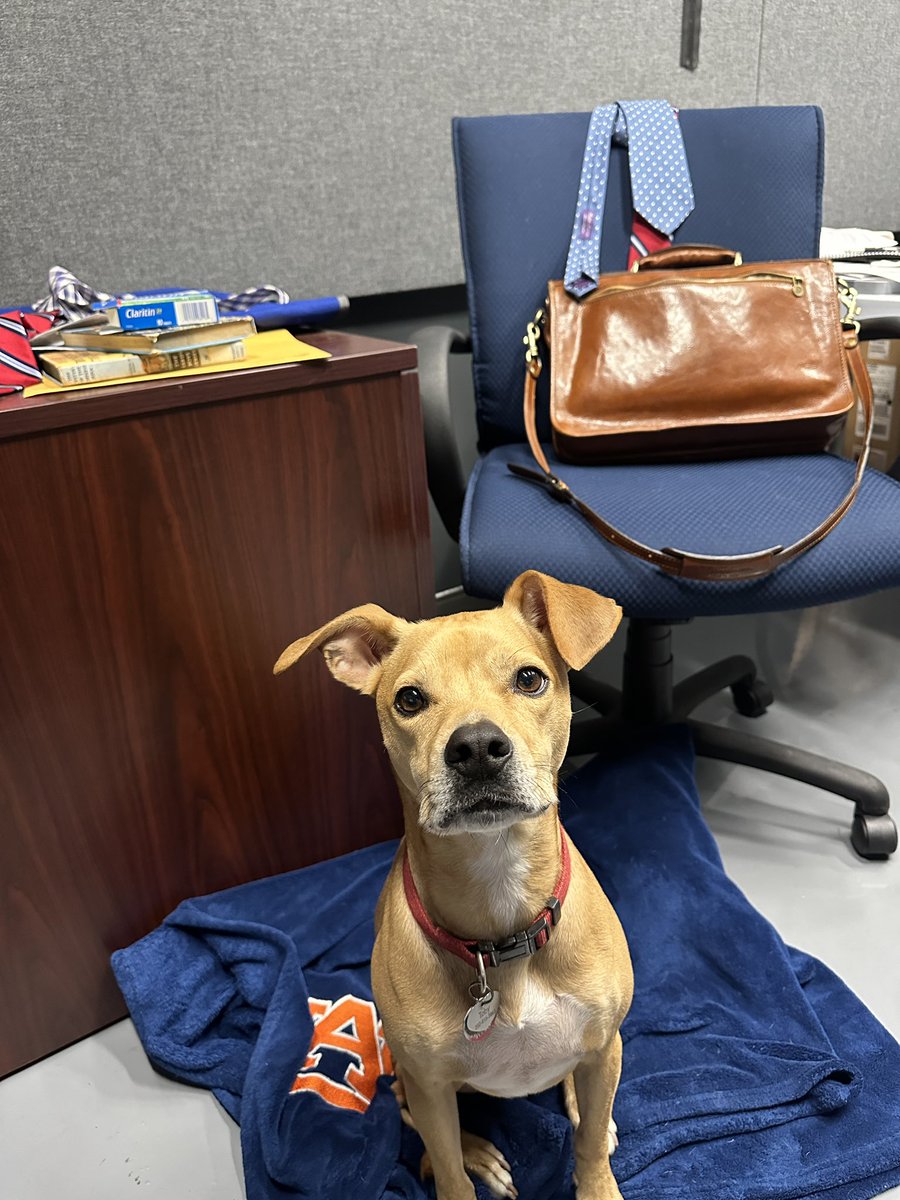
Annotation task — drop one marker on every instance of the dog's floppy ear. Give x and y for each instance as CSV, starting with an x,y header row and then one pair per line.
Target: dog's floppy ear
x,y
353,645
577,620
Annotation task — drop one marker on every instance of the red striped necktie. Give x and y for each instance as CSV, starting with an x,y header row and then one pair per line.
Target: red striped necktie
x,y
644,239
18,368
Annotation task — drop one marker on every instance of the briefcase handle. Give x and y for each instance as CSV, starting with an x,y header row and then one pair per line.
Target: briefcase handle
x,y
688,255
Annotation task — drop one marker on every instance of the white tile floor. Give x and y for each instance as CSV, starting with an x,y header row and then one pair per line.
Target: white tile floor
x,y
95,1123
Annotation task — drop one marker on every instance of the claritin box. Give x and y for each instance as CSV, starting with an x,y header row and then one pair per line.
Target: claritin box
x,y
163,311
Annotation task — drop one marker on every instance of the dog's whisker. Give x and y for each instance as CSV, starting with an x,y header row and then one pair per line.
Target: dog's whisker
x,y
563,792
422,786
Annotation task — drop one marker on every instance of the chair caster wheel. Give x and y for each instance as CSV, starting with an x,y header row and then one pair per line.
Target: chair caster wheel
x,y
873,837
751,696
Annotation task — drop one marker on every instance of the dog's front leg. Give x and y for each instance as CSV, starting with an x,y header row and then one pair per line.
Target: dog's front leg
x,y
596,1080
435,1114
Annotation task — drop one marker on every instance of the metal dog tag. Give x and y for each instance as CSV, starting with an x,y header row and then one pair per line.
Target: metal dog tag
x,y
480,1018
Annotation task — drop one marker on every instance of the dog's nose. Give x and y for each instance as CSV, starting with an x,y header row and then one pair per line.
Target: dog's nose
x,y
478,751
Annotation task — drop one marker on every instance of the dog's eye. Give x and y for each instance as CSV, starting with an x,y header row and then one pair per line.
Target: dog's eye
x,y
531,681
410,700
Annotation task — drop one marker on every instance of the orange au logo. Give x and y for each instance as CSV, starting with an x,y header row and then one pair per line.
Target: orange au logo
x,y
351,1026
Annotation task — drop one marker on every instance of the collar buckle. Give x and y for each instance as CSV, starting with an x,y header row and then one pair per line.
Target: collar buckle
x,y
524,943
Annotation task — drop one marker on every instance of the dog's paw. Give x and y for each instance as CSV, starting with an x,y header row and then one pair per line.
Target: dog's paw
x,y
483,1159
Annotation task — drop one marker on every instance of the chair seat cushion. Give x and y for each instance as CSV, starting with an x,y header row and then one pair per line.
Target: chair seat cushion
x,y
510,525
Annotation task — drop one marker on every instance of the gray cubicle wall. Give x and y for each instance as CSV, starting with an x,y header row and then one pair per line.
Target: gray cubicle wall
x,y
156,142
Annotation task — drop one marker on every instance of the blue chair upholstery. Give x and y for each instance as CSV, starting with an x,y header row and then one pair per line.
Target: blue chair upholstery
x,y
711,508
757,176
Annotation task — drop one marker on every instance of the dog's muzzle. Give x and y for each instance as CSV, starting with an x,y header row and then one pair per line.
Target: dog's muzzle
x,y
483,786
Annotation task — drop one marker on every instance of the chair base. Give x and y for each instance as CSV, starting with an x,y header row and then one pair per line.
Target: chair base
x,y
648,699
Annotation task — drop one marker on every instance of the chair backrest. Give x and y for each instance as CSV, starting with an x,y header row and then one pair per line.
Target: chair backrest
x,y
757,175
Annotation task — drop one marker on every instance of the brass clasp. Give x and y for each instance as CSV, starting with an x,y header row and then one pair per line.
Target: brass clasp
x,y
849,297
530,341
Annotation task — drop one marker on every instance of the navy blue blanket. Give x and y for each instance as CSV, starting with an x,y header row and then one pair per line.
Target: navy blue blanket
x,y
750,1071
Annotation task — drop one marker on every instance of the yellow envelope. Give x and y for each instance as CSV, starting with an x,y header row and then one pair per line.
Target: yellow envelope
x,y
263,350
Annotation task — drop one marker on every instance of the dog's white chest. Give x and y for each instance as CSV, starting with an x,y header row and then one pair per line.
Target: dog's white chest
x,y
534,1053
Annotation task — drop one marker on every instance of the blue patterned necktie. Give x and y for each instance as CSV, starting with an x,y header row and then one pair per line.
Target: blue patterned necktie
x,y
661,191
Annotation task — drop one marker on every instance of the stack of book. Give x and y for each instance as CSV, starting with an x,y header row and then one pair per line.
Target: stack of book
x,y
146,337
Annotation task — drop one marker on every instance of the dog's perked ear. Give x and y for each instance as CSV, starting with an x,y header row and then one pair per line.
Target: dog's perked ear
x,y
353,645
577,620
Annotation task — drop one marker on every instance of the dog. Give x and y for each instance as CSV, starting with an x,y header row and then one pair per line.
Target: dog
x,y
499,964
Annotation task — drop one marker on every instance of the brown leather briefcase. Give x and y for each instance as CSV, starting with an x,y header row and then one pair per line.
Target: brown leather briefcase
x,y
695,355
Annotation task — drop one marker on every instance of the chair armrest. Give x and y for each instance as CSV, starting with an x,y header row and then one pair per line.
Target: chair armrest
x,y
879,327
446,478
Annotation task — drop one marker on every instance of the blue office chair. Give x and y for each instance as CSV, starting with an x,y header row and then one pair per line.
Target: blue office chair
x,y
757,175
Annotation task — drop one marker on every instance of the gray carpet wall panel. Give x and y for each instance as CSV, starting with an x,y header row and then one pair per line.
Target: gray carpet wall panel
x,y
167,142
847,56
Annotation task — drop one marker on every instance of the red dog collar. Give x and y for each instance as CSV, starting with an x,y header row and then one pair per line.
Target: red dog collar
x,y
517,945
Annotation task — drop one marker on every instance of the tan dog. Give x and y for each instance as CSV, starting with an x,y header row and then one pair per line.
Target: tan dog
x,y
475,712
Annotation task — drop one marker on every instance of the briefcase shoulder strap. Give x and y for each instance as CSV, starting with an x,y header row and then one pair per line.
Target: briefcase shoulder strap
x,y
683,563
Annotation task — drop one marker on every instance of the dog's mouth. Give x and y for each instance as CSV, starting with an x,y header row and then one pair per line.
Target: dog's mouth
x,y
493,803
483,807
451,803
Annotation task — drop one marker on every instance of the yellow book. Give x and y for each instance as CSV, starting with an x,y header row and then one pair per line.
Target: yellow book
x,y
74,367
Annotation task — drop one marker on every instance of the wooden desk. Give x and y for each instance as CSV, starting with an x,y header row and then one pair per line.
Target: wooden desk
x,y
160,544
